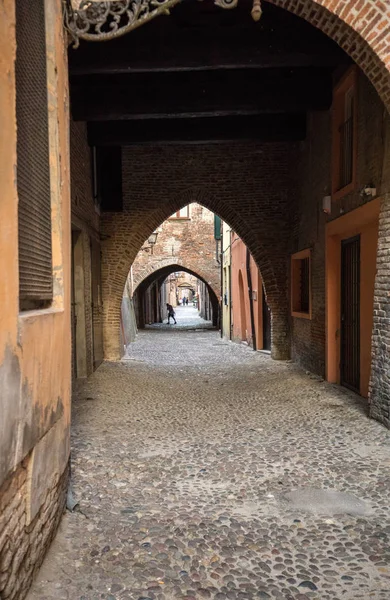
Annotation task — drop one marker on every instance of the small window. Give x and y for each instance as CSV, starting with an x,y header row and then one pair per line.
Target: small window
x,y
344,135
301,284
183,213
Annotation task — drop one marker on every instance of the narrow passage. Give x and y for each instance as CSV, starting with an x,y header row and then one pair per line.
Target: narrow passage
x,y
187,317
184,458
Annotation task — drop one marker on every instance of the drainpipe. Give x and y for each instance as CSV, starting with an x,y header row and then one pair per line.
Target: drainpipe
x,y
250,291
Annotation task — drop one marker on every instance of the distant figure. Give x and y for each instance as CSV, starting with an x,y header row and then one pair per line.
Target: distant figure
x,y
171,313
187,301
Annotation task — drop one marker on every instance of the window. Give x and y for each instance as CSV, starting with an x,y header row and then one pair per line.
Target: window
x,y
33,168
183,213
344,135
301,284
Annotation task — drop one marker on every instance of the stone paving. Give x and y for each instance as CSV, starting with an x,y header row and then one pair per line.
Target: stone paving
x,y
206,470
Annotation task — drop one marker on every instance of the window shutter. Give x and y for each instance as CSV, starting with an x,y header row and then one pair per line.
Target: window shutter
x,y
33,175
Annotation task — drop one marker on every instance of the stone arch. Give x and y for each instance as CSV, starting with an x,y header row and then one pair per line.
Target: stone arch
x,y
125,233
163,272
360,27
173,264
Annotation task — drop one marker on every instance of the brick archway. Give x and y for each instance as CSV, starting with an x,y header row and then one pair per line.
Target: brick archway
x,y
164,271
126,232
362,29
152,272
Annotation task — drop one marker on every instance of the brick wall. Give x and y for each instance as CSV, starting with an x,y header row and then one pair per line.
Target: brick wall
x,y
86,219
189,243
23,545
247,184
313,170
313,183
371,127
380,374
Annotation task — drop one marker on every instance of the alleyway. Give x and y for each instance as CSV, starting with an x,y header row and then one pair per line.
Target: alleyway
x,y
183,458
187,317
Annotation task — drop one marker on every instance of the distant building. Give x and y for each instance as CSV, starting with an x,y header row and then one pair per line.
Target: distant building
x,y
246,316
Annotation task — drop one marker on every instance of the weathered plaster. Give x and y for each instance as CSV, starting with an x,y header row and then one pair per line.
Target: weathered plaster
x,y
10,378
34,346
48,461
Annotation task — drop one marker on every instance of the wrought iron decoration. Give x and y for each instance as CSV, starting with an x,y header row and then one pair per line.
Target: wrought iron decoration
x,y
96,21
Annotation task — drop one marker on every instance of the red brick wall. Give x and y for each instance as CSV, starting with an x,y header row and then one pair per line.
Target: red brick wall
x,y
186,242
313,182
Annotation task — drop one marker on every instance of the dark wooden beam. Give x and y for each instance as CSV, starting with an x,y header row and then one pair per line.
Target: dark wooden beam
x,y
267,128
268,60
201,94
202,54
195,38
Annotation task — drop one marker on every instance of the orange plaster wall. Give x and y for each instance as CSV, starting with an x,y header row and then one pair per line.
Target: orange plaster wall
x,y
35,345
363,221
238,263
9,200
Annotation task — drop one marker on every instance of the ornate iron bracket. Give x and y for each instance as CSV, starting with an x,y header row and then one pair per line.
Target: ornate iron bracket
x,y
97,21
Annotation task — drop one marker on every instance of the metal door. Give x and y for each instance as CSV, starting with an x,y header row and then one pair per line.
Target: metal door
x,y
266,324
350,314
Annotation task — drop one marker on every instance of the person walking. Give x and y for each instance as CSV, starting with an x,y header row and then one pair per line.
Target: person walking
x,y
171,313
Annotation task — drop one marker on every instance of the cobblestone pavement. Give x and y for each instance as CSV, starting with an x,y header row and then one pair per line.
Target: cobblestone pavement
x,y
187,317
184,459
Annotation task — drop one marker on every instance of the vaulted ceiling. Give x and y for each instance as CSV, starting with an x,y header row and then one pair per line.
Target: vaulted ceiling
x,y
204,74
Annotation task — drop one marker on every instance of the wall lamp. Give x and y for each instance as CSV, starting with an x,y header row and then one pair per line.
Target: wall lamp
x,y
152,239
369,191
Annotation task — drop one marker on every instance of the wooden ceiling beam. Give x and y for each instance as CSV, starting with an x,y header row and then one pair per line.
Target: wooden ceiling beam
x,y
201,95
267,128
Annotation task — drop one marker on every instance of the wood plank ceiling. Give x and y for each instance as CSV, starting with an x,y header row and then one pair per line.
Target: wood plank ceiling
x,y
204,74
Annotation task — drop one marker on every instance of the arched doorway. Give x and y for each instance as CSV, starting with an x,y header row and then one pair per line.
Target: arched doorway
x,y
156,279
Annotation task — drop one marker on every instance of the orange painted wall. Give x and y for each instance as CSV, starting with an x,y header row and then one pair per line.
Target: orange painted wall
x,y
35,345
363,221
238,265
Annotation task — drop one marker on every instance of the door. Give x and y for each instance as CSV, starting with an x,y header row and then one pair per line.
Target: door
x,y
97,305
350,314
73,310
266,324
